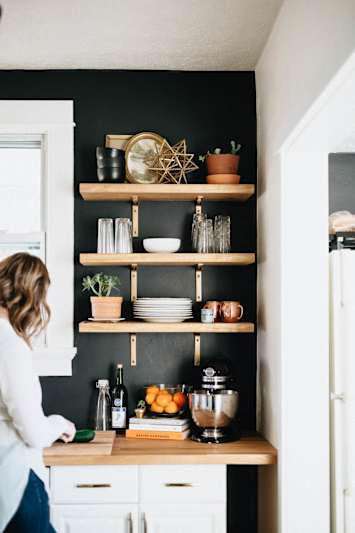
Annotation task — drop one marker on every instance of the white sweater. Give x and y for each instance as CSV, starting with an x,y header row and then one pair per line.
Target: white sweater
x,y
24,429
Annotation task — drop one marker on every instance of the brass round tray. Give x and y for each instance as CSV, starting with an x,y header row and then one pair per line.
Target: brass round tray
x,y
140,151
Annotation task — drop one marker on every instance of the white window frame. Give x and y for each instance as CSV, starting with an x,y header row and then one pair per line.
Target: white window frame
x,y
53,121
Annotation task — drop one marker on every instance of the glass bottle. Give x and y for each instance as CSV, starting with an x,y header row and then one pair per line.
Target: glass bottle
x,y
119,403
103,411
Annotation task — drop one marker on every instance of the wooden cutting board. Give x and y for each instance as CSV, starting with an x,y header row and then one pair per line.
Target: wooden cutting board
x,y
101,445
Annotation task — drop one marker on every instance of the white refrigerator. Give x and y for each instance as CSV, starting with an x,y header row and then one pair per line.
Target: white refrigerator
x,y
342,389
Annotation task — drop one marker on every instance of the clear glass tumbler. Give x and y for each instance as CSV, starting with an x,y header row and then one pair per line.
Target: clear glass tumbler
x,y
196,222
105,242
123,236
103,408
222,234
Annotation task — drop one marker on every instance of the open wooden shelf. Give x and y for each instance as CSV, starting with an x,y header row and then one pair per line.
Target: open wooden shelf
x,y
165,192
128,326
188,259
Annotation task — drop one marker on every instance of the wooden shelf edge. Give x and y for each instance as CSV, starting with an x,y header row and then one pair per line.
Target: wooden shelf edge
x,y
181,327
165,192
176,259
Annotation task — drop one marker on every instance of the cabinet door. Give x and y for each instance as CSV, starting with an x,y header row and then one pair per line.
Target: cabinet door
x,y
183,518
94,518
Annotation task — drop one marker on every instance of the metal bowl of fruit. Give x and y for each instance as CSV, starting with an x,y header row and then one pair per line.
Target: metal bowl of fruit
x,y
166,400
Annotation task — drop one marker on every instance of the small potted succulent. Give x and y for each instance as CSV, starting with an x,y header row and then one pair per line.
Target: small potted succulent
x,y
103,306
222,163
140,409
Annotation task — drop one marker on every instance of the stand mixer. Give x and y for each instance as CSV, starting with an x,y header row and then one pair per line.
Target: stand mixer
x,y
214,406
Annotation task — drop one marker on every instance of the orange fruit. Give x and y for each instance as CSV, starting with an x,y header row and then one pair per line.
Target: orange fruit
x,y
150,397
163,399
163,391
156,408
153,389
179,399
171,408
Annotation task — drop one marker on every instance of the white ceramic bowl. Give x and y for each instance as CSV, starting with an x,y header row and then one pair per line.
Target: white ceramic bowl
x,y
162,245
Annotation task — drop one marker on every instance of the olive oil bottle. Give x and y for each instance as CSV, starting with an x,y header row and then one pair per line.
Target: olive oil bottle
x,y
119,403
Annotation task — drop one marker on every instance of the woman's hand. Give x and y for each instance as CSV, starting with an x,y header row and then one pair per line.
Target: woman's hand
x,y
69,433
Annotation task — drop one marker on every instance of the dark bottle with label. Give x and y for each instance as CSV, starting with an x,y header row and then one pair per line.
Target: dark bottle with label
x,y
119,403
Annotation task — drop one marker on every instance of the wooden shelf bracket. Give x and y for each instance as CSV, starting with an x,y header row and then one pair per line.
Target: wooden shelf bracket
x,y
135,216
134,282
198,283
133,343
197,354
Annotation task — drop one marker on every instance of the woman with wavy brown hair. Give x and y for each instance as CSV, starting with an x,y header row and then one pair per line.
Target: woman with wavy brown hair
x,y
24,429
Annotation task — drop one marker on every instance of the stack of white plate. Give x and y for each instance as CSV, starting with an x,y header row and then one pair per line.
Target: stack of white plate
x,y
163,310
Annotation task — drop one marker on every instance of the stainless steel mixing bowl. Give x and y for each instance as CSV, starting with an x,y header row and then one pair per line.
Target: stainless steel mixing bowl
x,y
213,412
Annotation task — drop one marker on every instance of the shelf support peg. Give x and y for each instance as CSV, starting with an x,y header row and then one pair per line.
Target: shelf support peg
x,y
134,283
197,355
198,205
133,342
135,216
198,282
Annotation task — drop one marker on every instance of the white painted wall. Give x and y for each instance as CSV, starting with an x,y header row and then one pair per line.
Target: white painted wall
x,y
309,43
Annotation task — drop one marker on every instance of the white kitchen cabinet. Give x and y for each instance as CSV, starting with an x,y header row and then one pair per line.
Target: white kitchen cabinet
x,y
183,518
139,499
92,518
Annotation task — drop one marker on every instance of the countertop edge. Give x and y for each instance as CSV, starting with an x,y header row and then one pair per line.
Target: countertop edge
x,y
248,451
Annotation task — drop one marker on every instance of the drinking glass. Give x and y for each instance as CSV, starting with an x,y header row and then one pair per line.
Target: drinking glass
x,y
123,236
222,234
105,242
196,221
205,236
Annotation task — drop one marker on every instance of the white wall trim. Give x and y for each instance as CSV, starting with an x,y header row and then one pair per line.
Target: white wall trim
x,y
53,121
304,458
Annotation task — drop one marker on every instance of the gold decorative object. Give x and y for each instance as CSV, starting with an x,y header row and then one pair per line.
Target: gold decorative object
x,y
172,163
139,149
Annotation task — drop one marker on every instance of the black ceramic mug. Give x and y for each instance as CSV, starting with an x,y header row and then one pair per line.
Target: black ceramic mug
x,y
110,164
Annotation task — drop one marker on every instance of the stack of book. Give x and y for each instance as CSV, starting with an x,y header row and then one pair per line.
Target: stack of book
x,y
158,428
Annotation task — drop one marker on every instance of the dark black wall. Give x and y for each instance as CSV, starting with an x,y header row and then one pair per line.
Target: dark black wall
x,y
342,182
208,109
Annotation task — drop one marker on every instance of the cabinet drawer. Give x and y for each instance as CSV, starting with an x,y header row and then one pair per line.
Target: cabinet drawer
x,y
183,483
94,484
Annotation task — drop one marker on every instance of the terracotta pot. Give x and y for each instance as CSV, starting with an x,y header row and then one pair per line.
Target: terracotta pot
x,y
222,163
231,311
223,179
106,307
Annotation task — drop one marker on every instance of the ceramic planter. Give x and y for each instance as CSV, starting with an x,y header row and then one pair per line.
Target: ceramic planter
x,y
106,307
222,163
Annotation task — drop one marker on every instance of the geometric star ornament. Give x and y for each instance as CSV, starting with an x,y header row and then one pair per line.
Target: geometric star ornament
x,y
172,163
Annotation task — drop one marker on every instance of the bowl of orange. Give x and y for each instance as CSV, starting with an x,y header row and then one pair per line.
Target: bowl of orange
x,y
166,400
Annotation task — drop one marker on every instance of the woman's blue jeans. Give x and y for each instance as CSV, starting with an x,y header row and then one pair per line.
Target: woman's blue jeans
x,y
32,516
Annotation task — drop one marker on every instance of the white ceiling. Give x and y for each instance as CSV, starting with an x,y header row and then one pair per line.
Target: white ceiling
x,y
134,34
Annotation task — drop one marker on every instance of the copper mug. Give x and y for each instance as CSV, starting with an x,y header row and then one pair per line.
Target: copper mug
x,y
231,311
215,306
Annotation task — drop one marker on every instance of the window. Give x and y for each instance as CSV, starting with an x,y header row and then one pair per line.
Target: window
x,y
21,220
36,210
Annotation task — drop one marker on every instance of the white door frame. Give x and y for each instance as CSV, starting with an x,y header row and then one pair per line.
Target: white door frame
x,y
303,473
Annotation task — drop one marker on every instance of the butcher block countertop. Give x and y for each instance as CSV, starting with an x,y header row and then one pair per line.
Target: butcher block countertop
x,y
250,450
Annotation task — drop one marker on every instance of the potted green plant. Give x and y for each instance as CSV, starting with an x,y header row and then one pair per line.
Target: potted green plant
x,y
103,306
219,162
